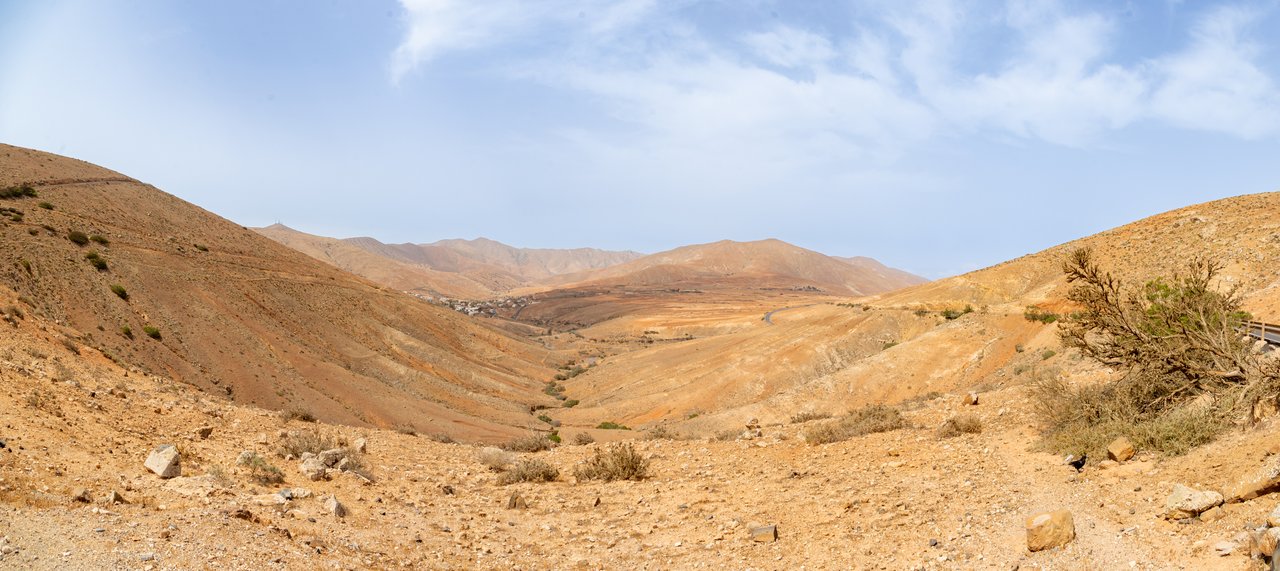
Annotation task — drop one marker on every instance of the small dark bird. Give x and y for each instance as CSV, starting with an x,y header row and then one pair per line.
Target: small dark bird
x,y
1078,464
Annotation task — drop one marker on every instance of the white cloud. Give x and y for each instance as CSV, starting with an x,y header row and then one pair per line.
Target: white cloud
x,y
906,74
1216,84
789,47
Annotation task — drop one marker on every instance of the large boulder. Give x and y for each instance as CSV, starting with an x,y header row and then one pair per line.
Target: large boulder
x,y
1050,529
1185,502
313,468
164,461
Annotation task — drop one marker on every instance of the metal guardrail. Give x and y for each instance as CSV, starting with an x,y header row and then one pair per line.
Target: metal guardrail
x,y
1264,331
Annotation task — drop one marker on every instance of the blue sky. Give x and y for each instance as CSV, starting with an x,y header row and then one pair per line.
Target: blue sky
x,y
937,136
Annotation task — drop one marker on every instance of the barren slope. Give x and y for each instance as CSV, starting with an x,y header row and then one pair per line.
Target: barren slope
x,y
237,313
391,272
743,265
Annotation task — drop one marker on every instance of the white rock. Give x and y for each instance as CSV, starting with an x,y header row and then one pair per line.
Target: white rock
x,y
164,461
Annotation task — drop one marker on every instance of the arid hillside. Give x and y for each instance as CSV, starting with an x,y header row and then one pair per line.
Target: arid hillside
x,y
394,273
465,269
950,335
764,264
164,287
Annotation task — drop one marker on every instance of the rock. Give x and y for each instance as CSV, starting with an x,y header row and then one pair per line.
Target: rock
x,y
331,457
1120,449
333,506
269,500
82,495
1107,464
1267,541
194,486
1260,482
517,502
1273,519
361,445
115,498
1213,514
447,490
1050,529
969,399
764,533
164,461
1224,548
313,468
1185,502
299,493
204,432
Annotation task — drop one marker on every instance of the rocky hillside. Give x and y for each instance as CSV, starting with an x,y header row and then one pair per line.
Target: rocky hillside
x,y
164,287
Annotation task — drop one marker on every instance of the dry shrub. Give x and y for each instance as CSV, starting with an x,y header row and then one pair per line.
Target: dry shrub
x,y
44,400
866,420
296,443
532,443
583,438
1187,370
496,459
406,428
617,462
262,471
1084,420
960,424
297,413
808,416
726,435
529,470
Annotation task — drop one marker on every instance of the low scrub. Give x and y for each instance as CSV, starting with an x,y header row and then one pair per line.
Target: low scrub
x,y
1034,313
296,413
610,425
151,331
529,470
120,291
97,261
583,438
18,191
78,238
296,443
260,470
617,462
866,420
496,459
808,416
960,424
532,443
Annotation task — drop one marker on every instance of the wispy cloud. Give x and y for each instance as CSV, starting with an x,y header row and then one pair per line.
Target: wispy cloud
x,y
902,74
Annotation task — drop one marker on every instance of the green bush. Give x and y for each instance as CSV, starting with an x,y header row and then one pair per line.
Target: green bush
x,y
77,237
19,191
1034,313
951,314
97,261
570,403
120,291
97,239
126,331
610,425
46,205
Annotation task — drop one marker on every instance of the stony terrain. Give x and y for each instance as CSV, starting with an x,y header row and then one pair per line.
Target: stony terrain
x,y
709,383
905,499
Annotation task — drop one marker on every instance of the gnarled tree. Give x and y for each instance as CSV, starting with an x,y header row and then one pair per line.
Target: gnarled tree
x,y
1186,363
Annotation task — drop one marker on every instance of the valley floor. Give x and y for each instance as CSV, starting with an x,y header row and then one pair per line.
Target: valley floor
x,y
905,499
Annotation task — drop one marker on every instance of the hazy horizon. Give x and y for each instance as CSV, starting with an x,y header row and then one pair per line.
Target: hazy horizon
x,y
937,137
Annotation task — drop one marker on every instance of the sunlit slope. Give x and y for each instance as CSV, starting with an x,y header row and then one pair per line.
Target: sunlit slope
x,y
235,312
